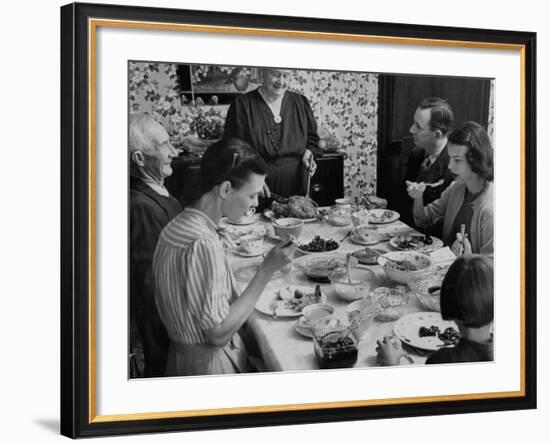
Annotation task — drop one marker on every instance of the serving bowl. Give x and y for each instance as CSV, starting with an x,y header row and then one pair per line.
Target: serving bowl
x,y
408,265
360,285
287,228
318,267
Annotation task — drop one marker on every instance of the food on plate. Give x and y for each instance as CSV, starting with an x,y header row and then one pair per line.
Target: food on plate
x,y
319,269
412,242
403,265
382,216
411,263
449,337
367,255
428,331
297,207
336,349
296,299
318,244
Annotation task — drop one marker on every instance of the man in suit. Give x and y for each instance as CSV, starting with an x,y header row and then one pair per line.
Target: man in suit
x,y
151,208
429,160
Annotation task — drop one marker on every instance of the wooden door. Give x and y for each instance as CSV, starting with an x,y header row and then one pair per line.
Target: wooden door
x,y
399,96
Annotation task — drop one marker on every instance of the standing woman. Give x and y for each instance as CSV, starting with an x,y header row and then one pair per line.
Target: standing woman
x,y
280,126
468,201
196,294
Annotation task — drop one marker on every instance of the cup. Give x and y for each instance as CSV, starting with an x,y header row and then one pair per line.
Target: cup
x,y
314,313
252,244
344,203
360,217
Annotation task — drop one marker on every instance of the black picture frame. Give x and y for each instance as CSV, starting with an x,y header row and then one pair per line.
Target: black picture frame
x,y
78,417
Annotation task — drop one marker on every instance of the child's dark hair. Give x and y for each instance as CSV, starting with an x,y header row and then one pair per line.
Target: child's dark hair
x,y
480,150
467,291
230,160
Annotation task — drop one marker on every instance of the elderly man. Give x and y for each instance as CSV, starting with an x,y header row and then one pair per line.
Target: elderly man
x,y
429,161
151,208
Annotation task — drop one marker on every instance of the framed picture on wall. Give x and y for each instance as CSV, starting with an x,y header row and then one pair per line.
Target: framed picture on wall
x,y
351,96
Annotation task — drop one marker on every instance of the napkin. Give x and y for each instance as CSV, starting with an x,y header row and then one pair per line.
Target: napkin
x,y
442,255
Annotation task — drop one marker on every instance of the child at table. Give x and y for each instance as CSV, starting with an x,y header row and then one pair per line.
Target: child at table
x,y
467,299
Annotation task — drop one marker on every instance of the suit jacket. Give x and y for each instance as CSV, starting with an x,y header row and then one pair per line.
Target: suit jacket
x,y
149,213
439,169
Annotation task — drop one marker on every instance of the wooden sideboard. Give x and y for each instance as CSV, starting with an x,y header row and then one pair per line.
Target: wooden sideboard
x,y
326,185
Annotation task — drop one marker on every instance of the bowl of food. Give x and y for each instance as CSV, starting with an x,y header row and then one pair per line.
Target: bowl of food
x,y
319,267
340,216
318,245
356,286
427,287
394,300
287,228
402,266
335,348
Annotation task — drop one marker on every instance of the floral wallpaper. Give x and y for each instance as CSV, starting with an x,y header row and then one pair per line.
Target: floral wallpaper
x,y
345,105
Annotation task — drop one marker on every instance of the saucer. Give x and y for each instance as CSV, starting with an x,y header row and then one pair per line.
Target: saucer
x,y
241,252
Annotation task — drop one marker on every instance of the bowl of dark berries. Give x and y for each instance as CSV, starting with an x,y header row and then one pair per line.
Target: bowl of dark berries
x,y
318,245
336,348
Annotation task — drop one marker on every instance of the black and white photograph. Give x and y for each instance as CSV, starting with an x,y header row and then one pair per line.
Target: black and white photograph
x,y
274,220
291,219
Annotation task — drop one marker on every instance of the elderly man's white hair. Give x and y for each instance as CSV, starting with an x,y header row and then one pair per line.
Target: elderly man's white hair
x,y
141,137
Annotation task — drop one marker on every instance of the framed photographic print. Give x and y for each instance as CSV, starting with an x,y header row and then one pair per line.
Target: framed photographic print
x,y
184,304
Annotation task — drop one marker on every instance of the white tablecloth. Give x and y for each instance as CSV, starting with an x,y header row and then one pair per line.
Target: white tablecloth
x,y
283,349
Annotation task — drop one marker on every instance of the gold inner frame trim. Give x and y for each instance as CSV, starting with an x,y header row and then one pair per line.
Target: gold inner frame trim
x,y
93,24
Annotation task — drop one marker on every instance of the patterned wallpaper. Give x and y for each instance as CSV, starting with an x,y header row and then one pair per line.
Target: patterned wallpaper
x,y
345,106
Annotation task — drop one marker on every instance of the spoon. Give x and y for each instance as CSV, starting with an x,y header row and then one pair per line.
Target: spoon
x,y
348,266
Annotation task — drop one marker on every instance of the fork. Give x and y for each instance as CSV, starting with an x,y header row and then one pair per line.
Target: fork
x,y
436,184
273,307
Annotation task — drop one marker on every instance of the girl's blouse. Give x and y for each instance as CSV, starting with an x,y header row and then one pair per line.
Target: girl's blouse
x,y
194,285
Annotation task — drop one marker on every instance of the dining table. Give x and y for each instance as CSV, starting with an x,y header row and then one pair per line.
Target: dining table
x,y
282,347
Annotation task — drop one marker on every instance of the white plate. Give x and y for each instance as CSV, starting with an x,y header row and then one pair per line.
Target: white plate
x,y
426,248
268,213
244,272
375,216
243,222
283,310
406,328
244,254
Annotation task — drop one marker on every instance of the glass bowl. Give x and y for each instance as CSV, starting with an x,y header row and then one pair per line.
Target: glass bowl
x,y
335,348
361,283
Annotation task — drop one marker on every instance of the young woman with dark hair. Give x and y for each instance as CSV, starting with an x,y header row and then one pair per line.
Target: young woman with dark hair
x,y
468,201
196,294
467,297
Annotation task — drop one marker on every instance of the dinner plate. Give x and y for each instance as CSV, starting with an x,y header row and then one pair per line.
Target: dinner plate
x,y
407,329
244,272
288,308
425,248
268,213
376,216
244,254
